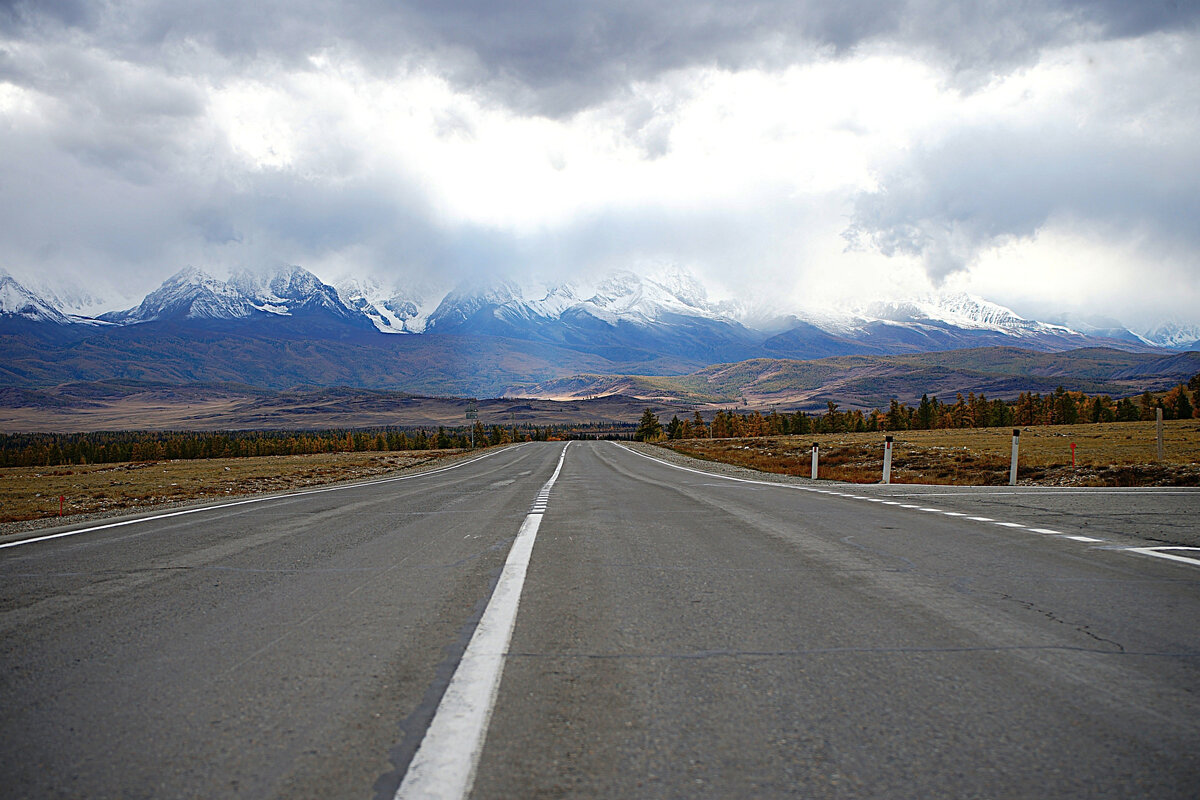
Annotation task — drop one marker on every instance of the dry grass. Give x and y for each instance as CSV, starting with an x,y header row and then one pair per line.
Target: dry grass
x,y
30,493
1114,454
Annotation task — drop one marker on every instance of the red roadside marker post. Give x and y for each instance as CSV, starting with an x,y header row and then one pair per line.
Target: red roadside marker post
x,y
61,499
1072,454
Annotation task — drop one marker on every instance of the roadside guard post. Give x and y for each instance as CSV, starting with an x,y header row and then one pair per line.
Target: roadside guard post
x,y
887,459
1012,470
814,466
1158,433
472,415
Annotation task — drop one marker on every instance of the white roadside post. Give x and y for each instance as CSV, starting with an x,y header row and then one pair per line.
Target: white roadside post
x,y
1012,470
472,415
814,463
1158,431
887,459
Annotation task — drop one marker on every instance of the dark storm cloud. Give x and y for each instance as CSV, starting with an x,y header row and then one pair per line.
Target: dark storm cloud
x,y
554,57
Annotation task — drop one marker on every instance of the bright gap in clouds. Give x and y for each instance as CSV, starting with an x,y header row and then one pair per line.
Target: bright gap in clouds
x,y
744,174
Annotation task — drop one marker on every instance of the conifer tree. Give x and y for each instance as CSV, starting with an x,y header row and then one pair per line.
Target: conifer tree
x,y
649,428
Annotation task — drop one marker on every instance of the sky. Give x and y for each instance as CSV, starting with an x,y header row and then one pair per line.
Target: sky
x,y
1044,154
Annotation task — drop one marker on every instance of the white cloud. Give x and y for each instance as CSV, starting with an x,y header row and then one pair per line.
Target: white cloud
x,y
588,138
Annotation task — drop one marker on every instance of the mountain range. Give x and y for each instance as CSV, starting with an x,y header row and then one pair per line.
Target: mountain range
x,y
288,327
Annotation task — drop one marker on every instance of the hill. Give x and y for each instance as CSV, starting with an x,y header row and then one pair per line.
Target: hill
x,y
872,381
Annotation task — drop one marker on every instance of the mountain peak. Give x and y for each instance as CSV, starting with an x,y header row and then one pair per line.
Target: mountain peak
x,y
190,293
18,302
1175,335
194,294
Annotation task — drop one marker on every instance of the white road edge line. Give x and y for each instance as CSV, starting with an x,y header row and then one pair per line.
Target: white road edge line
x,y
1156,552
168,514
445,763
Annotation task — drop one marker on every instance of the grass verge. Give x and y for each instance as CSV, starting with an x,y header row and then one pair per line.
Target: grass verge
x,y
1110,454
32,493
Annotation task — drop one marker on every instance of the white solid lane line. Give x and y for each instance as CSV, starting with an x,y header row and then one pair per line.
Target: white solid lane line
x,y
268,498
444,765
1159,552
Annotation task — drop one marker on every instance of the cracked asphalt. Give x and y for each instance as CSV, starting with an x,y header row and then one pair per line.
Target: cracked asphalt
x,y
686,636
679,635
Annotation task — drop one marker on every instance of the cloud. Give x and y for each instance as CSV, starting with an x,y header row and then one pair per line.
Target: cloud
x,y
466,139
554,58
1108,145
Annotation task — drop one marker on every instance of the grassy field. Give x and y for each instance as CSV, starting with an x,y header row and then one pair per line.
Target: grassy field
x,y
1113,454
33,493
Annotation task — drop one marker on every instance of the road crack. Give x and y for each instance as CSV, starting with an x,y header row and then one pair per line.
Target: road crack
x,y
1050,615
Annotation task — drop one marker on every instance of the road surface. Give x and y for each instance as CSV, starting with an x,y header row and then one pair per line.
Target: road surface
x,y
678,634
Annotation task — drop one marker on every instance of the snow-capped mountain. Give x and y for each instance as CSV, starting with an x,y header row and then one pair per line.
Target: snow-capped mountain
x,y
625,317
1096,325
486,338
622,297
390,310
960,310
658,323
193,294
190,293
17,302
934,322
1175,336
81,302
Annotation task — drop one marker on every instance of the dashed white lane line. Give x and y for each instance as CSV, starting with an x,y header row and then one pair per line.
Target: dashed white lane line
x,y
1152,551
445,763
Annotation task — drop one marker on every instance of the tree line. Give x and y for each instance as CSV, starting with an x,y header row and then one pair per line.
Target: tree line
x,y
107,447
1060,407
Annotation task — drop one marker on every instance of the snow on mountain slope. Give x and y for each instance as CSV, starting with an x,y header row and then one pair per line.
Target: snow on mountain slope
x,y
1174,335
190,293
645,300
624,316
82,303
959,310
390,310
619,297
289,291
1097,325
194,294
18,302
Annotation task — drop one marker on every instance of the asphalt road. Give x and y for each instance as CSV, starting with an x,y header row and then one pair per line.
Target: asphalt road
x,y
679,634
